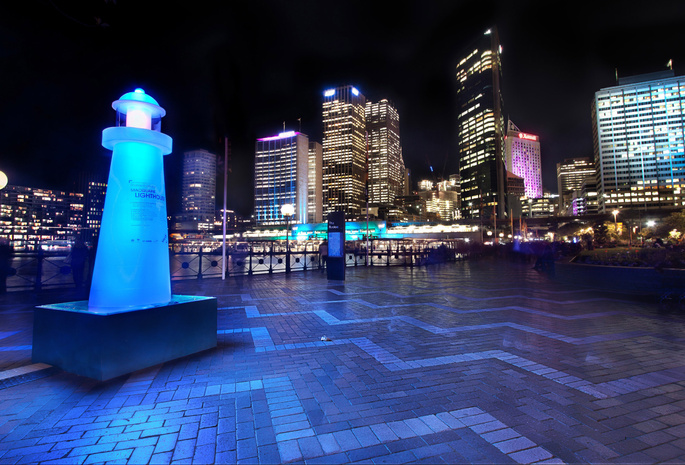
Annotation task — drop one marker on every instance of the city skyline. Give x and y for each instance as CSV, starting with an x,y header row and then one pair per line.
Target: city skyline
x,y
215,72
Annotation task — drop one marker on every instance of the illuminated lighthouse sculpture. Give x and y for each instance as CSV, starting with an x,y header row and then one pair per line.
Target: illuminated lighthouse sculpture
x,y
131,321
132,261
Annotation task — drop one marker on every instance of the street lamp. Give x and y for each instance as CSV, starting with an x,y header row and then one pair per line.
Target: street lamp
x,y
287,210
615,213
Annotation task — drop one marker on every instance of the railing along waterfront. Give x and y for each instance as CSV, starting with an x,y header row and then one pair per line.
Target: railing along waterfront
x,y
42,270
47,270
269,257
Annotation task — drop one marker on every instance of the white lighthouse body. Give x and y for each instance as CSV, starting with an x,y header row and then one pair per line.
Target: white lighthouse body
x,y
132,261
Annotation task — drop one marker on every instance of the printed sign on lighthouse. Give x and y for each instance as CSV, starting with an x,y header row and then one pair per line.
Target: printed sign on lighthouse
x,y
132,261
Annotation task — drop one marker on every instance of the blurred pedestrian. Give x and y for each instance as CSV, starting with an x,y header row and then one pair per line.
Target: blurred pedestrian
x,y
78,256
5,263
323,254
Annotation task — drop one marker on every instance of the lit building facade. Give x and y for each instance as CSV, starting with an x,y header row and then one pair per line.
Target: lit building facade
x,y
95,204
572,173
281,177
30,218
442,198
385,163
315,180
638,142
584,200
198,188
543,206
480,128
344,151
522,155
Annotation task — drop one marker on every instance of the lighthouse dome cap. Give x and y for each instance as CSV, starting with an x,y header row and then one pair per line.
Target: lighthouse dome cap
x,y
138,95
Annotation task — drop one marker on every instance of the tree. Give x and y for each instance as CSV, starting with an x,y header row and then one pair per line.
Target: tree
x,y
570,229
673,226
601,233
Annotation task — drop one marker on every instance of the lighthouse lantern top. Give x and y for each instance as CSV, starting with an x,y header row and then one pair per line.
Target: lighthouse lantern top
x,y
139,110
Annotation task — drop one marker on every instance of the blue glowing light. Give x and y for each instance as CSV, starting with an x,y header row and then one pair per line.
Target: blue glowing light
x,y
355,91
132,261
329,93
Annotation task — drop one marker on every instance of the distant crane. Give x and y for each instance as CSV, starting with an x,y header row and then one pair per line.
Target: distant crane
x,y
444,167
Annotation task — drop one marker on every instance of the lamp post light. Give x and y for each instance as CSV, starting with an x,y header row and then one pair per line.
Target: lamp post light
x,y
287,210
615,213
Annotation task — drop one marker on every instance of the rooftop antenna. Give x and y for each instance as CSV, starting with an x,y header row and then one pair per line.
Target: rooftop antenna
x,y
670,64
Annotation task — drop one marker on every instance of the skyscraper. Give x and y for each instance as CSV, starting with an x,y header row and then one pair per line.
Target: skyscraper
x,y
281,177
344,151
638,142
386,167
522,155
198,190
314,196
571,174
480,128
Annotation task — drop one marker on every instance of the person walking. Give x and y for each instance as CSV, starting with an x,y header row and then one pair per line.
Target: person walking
x,y
79,254
5,263
323,254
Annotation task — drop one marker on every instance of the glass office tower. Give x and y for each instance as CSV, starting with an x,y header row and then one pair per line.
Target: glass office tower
x,y
344,151
522,155
638,142
281,177
572,173
386,167
314,196
198,191
480,128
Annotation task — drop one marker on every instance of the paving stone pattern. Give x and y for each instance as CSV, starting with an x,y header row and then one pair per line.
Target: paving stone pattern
x,y
470,362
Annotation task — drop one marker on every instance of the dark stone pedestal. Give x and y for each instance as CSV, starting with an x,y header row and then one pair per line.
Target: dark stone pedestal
x,y
105,345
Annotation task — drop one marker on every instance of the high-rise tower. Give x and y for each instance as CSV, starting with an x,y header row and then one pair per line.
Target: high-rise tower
x,y
638,142
199,186
344,151
386,167
522,155
314,196
572,173
281,177
480,127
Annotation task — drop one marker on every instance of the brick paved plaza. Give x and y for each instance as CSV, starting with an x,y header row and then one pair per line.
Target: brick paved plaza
x,y
469,362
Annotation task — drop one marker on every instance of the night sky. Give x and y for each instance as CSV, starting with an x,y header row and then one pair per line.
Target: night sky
x,y
242,68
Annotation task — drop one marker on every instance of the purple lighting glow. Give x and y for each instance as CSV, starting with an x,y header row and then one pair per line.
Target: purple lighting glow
x,y
282,135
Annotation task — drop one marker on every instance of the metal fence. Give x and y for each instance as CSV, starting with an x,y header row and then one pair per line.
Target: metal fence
x,y
270,257
45,270
40,270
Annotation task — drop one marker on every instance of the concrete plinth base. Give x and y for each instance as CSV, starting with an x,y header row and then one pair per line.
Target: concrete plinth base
x,y
105,345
